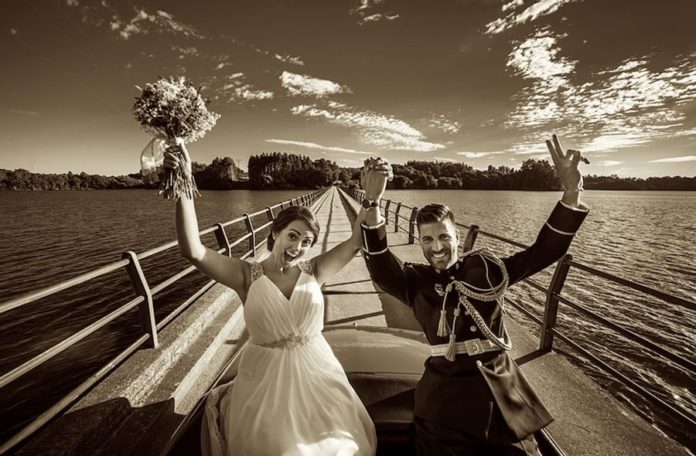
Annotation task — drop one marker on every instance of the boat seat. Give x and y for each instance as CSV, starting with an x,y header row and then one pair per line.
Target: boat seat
x,y
390,403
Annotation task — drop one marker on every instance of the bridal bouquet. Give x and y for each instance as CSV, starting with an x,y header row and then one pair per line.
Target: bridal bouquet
x,y
167,109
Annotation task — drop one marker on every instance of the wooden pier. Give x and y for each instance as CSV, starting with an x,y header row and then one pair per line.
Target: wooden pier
x,y
137,407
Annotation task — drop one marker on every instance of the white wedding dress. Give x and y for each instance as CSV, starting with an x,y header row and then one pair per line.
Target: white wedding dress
x,y
291,395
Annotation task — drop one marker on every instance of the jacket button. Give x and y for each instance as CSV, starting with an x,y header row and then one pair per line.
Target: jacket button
x,y
479,363
472,328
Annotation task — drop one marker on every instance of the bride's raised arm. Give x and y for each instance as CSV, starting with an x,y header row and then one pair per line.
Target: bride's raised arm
x,y
374,179
229,271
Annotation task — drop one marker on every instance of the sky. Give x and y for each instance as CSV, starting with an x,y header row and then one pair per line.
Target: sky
x,y
482,82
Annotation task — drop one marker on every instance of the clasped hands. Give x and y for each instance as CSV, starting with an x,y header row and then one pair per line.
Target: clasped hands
x,y
374,176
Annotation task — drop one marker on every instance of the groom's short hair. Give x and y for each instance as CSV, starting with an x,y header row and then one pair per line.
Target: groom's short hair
x,y
434,213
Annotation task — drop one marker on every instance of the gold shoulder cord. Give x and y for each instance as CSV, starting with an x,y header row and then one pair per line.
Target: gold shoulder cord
x,y
466,292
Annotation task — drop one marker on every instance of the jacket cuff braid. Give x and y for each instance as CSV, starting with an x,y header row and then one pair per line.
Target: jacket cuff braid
x,y
374,238
566,220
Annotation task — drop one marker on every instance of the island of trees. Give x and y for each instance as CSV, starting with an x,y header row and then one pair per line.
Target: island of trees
x,y
288,171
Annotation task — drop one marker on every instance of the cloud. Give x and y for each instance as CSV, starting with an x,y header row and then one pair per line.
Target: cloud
x,y
451,160
612,142
537,58
622,106
142,22
512,5
375,129
685,158
22,112
444,124
311,145
300,84
607,163
289,59
540,8
477,154
367,13
13,31
236,90
185,51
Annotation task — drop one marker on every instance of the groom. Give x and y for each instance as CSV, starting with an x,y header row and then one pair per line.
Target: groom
x,y
472,398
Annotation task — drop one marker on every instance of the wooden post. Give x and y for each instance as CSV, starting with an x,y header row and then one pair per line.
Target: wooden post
x,y
221,237
412,226
551,308
270,214
250,229
386,212
471,238
146,308
396,217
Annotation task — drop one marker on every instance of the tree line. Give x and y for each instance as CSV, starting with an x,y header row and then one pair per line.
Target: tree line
x,y
279,170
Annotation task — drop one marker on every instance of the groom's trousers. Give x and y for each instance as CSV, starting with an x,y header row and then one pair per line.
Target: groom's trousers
x,y
434,439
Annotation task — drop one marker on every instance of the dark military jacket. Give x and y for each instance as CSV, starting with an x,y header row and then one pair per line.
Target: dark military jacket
x,y
486,395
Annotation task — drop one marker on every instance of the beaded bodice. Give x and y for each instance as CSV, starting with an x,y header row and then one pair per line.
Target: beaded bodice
x,y
273,320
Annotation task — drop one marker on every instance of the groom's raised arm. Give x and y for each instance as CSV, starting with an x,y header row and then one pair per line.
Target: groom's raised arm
x,y
551,243
558,232
386,270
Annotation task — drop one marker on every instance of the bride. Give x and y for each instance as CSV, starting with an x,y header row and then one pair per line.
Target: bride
x,y
291,395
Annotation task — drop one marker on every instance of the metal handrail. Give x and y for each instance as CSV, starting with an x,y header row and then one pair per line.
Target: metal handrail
x,y
67,343
624,379
47,291
686,363
553,294
308,199
668,298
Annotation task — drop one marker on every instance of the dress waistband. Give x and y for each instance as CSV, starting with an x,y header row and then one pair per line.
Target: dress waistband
x,y
290,341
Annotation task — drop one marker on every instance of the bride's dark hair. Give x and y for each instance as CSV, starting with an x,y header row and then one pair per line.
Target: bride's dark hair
x,y
289,215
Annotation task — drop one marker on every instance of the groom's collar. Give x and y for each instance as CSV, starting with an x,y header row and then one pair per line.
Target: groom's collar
x,y
449,272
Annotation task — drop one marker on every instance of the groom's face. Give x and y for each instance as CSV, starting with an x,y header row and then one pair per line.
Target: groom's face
x,y
439,241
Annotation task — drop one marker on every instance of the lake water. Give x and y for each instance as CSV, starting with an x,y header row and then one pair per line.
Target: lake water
x,y
46,237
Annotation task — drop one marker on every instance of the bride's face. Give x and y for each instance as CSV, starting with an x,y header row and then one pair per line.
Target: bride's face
x,y
293,242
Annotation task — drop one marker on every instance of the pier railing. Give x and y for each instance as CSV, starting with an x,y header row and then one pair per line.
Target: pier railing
x,y
143,301
401,217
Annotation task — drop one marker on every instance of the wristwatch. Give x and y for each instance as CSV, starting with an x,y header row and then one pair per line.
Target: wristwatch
x,y
369,204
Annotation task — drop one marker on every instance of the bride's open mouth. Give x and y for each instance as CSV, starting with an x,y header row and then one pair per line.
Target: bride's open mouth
x,y
289,257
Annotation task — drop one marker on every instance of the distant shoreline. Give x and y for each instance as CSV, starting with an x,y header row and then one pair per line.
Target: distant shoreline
x,y
281,171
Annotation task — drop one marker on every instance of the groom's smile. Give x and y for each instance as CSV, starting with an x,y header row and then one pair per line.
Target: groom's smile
x,y
439,241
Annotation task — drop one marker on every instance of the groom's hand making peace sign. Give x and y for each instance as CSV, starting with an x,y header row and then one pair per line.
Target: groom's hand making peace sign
x,y
566,165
